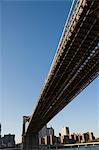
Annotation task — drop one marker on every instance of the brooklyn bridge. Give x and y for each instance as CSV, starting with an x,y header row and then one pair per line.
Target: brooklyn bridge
x,y
75,66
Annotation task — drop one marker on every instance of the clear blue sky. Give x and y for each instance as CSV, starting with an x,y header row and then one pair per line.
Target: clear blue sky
x,y
30,32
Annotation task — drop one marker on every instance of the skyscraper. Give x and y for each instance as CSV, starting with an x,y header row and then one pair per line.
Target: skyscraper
x,y
91,136
65,131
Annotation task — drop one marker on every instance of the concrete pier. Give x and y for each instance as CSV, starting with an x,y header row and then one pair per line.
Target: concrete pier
x,y
31,142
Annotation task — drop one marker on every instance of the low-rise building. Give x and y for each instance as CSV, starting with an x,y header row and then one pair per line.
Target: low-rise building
x,y
7,141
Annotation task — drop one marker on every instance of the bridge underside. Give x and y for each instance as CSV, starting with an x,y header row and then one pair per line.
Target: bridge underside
x,y
75,65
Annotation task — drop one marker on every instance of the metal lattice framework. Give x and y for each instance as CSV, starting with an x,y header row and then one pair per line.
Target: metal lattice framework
x,y
75,64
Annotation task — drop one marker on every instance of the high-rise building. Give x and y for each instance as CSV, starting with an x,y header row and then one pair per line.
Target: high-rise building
x,y
78,138
47,134
44,132
47,140
83,138
51,131
65,131
51,134
52,140
91,136
86,137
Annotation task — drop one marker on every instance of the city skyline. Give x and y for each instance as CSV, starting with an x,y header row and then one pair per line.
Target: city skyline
x,y
47,137
47,134
25,65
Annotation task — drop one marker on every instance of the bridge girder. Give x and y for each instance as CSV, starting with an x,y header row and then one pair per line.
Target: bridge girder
x,y
74,67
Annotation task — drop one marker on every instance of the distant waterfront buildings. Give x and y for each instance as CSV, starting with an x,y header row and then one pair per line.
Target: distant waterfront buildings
x,y
78,138
87,137
7,141
47,137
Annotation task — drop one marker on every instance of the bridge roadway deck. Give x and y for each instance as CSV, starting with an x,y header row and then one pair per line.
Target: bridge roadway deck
x,y
74,67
